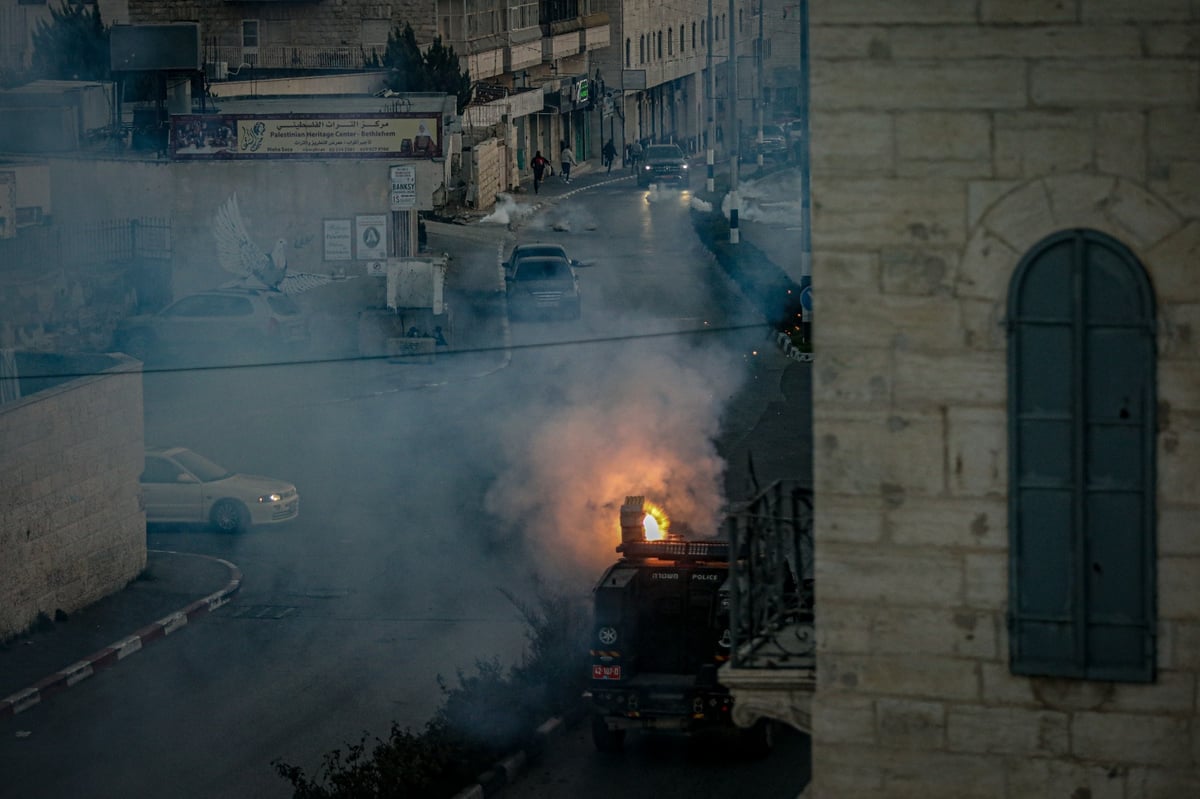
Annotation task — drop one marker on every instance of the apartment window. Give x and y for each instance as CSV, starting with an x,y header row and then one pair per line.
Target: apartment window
x,y
1081,417
250,35
628,48
375,35
740,26
524,15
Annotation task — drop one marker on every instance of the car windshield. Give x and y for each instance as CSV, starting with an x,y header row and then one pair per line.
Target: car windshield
x,y
205,470
663,151
543,269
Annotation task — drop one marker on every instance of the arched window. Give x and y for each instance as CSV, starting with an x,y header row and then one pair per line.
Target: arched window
x,y
693,36
642,49
660,45
681,40
739,20
703,32
670,41
628,48
1081,418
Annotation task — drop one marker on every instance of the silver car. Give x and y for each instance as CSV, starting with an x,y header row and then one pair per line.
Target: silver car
x,y
182,487
217,328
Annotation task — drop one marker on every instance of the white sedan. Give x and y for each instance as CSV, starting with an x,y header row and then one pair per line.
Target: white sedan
x,y
180,486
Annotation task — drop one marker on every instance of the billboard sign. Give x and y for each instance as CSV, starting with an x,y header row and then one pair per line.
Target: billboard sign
x,y
248,136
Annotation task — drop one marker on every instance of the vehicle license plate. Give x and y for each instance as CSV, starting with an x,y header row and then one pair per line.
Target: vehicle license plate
x,y
600,672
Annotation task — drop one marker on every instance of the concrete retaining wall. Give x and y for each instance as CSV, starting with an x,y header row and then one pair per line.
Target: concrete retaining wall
x,y
72,527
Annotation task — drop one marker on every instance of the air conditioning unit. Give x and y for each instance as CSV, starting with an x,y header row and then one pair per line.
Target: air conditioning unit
x,y
217,70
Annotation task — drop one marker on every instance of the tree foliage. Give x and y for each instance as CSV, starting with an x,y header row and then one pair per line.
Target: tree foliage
x,y
71,45
484,715
409,70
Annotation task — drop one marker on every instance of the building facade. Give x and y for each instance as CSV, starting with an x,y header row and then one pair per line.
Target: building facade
x,y
1006,250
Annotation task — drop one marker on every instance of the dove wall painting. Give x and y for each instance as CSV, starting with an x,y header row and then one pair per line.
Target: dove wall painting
x,y
401,135
242,257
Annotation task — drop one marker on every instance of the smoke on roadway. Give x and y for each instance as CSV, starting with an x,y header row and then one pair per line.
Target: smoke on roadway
x,y
772,200
507,211
638,417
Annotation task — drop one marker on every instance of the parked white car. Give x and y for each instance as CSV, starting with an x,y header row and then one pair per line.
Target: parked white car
x,y
180,486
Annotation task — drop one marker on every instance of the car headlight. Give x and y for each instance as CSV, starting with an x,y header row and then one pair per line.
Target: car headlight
x,y
685,166
646,167
270,498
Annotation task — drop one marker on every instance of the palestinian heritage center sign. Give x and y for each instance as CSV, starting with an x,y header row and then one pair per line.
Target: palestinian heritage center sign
x,y
225,136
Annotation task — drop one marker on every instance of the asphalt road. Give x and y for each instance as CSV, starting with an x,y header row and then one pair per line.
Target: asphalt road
x,y
422,496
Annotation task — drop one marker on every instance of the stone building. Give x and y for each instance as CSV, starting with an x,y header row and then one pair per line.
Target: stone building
x,y
1006,255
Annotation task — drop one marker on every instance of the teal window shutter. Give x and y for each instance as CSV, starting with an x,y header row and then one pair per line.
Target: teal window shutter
x,y
1081,377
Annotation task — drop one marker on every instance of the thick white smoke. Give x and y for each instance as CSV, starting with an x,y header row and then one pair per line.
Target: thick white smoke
x,y
640,420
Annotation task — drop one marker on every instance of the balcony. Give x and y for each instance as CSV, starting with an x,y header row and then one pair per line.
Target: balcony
x,y
285,56
568,36
772,667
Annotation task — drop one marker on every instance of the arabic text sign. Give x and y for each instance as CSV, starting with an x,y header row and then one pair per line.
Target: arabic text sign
x,y
371,236
337,240
314,135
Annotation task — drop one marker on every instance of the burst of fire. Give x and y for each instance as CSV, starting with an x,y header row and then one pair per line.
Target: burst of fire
x,y
656,522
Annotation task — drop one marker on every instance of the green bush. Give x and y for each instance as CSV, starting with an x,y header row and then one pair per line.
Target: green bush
x,y
484,715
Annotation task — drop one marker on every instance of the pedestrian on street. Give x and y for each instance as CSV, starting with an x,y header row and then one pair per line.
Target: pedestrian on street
x,y
609,153
568,161
635,154
539,164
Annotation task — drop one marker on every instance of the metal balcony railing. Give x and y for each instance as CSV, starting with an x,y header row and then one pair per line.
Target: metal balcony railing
x,y
771,586
292,56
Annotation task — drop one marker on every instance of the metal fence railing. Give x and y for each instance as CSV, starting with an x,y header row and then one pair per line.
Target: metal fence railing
x,y
771,579
69,246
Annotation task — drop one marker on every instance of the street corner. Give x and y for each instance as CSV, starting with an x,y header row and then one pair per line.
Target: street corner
x,y
173,590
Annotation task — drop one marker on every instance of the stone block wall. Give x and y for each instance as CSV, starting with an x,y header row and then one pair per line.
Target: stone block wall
x,y
72,527
947,139
489,167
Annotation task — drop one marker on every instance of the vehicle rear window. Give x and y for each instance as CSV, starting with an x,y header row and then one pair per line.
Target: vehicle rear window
x,y
282,304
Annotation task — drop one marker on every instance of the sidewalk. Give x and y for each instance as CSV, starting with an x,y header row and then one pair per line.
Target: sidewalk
x,y
174,589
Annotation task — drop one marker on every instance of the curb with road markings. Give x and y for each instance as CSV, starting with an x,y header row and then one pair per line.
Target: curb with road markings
x,y
98,661
493,781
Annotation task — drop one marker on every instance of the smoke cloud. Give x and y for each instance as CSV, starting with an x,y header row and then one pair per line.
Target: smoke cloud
x,y
637,418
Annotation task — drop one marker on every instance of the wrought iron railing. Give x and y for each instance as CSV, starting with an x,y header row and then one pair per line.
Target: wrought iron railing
x,y
771,581
292,57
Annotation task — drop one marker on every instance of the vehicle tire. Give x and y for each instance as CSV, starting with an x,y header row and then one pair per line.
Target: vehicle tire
x,y
759,740
606,740
230,516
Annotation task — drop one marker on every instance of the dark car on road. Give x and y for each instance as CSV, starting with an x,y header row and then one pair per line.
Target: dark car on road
x,y
663,163
536,250
543,286
217,328
774,146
